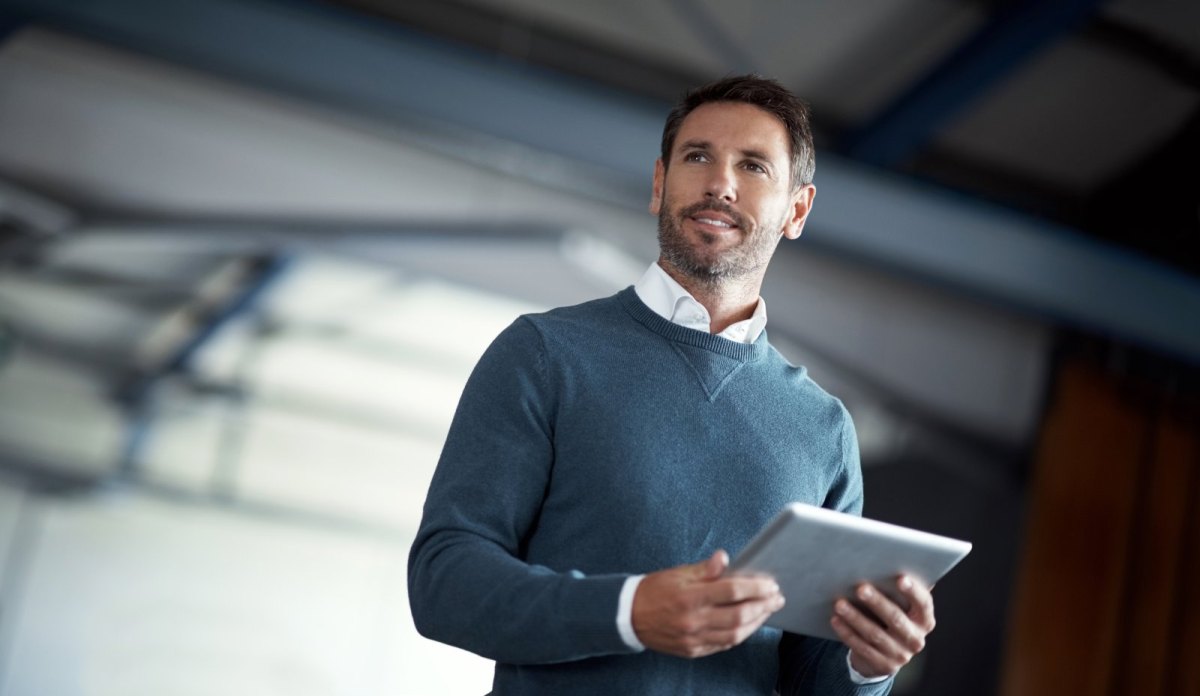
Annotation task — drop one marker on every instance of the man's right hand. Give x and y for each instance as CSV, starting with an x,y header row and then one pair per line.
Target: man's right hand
x,y
691,611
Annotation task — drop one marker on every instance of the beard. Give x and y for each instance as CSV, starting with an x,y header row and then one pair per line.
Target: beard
x,y
703,261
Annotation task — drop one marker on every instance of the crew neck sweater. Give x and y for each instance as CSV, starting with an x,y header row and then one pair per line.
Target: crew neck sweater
x,y
599,441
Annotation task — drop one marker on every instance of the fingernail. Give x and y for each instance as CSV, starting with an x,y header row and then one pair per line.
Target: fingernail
x,y
843,608
864,592
773,589
905,583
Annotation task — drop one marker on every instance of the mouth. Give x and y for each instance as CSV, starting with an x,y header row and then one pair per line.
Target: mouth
x,y
714,219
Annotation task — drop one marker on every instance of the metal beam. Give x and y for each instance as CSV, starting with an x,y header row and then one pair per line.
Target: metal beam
x,y
263,273
32,213
10,22
1016,33
137,394
262,234
335,56
977,249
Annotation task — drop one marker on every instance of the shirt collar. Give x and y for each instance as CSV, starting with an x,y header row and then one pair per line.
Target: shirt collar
x,y
671,301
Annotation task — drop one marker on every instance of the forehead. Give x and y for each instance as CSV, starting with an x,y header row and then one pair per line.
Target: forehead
x,y
737,126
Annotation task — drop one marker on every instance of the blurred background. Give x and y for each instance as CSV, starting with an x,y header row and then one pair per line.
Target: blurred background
x,y
251,249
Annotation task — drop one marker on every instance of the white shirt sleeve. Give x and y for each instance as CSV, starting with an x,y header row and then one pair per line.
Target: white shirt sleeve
x,y
858,678
625,613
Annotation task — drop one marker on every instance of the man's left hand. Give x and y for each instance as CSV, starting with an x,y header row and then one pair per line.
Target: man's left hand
x,y
877,650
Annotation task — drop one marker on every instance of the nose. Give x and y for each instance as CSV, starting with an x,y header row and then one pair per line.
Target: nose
x,y
721,184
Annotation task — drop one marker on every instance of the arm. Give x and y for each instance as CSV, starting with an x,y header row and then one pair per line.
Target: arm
x,y
809,665
468,583
879,651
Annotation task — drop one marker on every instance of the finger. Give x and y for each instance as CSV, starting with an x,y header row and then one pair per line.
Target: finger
x,y
869,631
876,662
729,637
711,567
711,640
716,564
897,623
739,588
920,601
734,616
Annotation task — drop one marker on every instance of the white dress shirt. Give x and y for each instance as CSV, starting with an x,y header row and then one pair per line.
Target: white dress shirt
x,y
672,302
669,300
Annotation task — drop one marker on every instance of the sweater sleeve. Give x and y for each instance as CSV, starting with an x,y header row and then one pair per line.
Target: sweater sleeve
x,y
468,583
846,492
809,665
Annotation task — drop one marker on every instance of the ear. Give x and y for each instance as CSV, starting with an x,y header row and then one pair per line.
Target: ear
x,y
656,194
802,202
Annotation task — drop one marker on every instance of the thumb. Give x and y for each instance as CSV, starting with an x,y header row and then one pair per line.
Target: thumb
x,y
714,565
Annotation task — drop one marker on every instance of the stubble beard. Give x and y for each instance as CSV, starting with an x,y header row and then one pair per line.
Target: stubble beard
x,y
710,267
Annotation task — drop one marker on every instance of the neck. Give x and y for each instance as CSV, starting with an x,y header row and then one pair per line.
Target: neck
x,y
728,300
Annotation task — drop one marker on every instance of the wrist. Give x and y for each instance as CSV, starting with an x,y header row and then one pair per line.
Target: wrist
x,y
861,674
625,613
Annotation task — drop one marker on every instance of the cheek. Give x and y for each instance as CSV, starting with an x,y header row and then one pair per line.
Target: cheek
x,y
660,201
772,210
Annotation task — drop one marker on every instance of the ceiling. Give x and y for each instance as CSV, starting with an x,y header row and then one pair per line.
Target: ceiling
x,y
1083,112
168,171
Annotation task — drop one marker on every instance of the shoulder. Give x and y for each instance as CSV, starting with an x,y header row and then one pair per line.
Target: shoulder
x,y
799,387
538,339
599,315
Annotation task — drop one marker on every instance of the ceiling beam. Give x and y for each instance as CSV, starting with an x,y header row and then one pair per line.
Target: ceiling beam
x,y
339,57
1016,33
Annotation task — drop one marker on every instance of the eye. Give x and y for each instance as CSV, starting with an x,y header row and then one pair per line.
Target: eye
x,y
695,156
756,167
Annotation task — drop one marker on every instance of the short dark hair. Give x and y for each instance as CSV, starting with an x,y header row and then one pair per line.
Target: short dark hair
x,y
766,94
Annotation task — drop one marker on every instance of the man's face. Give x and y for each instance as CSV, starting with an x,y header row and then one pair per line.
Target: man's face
x,y
724,199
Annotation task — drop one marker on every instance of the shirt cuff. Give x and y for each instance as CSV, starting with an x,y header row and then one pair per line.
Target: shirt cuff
x,y
625,613
858,678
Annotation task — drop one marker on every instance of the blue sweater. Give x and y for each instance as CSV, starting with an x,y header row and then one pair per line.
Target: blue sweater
x,y
599,441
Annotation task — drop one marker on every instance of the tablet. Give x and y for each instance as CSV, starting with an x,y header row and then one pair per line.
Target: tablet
x,y
817,555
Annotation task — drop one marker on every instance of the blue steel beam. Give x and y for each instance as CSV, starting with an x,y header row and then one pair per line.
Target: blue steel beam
x,y
137,395
1017,33
334,56
265,272
10,22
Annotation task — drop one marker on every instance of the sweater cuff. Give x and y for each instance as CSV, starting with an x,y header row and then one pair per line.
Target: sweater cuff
x,y
625,613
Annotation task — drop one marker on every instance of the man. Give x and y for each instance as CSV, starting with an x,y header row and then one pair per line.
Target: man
x,y
604,455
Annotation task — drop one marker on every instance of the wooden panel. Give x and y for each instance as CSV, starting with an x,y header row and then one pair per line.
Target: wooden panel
x,y
1065,623
1151,609
1184,666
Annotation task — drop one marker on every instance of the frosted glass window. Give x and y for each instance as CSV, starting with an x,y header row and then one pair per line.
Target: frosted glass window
x,y
130,596
336,468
